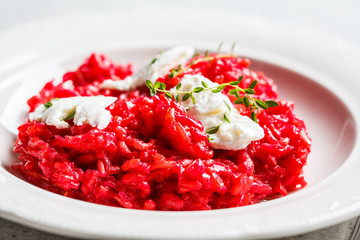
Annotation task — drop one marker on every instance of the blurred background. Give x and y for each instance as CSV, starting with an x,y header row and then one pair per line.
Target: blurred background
x,y
337,17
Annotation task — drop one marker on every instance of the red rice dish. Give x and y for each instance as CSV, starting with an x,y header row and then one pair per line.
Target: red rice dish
x,y
153,156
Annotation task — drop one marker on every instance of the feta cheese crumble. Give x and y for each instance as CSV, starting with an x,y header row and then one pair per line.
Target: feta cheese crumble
x,y
159,66
90,110
210,108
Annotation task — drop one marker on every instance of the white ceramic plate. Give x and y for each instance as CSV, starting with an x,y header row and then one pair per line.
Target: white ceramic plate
x,y
318,72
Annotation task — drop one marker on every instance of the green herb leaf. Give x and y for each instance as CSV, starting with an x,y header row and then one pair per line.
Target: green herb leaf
x,y
172,73
234,83
167,94
70,115
237,94
178,87
192,98
198,89
213,130
186,97
249,91
204,84
253,116
239,101
240,78
232,91
261,104
162,86
177,98
253,84
226,118
153,61
221,87
271,103
227,105
157,85
246,102
215,91
48,104
149,84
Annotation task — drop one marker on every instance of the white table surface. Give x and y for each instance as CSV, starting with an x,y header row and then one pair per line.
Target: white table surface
x,y
340,18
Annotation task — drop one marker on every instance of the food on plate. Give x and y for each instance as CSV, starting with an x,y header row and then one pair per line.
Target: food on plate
x,y
184,132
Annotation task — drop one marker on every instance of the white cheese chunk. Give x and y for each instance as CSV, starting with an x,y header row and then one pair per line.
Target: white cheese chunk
x,y
90,110
161,64
209,109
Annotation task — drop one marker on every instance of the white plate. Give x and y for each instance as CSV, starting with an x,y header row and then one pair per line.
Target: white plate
x,y
329,78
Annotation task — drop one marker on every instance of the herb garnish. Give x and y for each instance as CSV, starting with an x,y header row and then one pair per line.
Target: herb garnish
x,y
153,61
70,115
48,104
249,102
226,118
213,130
246,99
209,138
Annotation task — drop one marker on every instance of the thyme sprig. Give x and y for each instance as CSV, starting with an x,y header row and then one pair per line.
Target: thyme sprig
x,y
253,104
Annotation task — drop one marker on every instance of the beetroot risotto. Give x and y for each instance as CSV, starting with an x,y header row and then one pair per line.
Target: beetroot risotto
x,y
184,132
